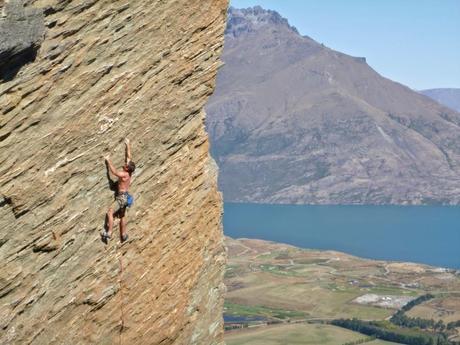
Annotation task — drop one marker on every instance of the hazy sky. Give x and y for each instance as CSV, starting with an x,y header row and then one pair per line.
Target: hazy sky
x,y
414,42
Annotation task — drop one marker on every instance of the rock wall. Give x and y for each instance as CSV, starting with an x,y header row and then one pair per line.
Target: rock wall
x,y
104,70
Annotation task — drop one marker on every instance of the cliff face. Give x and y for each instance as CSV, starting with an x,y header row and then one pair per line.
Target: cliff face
x,y
98,72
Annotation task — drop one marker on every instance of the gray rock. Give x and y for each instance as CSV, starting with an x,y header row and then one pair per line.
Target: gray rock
x,y
21,31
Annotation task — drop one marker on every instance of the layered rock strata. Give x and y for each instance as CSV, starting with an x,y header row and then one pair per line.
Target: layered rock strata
x,y
103,71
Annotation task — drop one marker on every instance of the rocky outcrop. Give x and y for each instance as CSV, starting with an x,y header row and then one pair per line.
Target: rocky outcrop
x,y
21,32
245,21
103,71
293,121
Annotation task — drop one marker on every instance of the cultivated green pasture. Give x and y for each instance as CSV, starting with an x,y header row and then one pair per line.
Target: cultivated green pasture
x,y
297,334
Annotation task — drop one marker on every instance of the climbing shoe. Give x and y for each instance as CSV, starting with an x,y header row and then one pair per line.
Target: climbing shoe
x,y
105,237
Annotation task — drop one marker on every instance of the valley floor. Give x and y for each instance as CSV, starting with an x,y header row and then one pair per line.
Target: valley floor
x,y
298,334
271,286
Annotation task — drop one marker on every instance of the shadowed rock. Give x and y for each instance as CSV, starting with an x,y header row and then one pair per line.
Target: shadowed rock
x,y
21,32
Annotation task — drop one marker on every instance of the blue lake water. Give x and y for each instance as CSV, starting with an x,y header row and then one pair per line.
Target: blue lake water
x,y
424,234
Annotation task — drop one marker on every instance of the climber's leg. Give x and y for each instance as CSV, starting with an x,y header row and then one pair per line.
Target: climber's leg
x,y
123,234
109,222
107,234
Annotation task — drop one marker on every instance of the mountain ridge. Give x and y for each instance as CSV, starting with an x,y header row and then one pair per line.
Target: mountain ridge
x,y
450,97
292,121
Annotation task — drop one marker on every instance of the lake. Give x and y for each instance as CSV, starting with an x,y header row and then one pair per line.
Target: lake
x,y
423,234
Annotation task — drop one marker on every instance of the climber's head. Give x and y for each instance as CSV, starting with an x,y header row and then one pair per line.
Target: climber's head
x,y
129,167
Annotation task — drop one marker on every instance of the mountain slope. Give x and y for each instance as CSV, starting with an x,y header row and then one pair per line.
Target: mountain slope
x,y
292,121
448,97
100,71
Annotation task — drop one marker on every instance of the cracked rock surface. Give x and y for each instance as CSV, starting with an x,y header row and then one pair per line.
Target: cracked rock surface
x,y
105,70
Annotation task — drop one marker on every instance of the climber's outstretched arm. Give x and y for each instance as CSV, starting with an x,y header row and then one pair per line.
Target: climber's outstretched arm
x,y
127,151
112,168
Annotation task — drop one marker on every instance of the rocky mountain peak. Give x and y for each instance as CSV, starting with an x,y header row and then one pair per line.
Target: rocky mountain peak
x,y
292,121
250,19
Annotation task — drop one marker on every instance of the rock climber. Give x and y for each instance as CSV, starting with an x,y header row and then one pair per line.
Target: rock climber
x,y
122,198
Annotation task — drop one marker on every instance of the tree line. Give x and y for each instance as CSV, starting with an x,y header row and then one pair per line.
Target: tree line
x,y
410,331
416,301
394,335
401,319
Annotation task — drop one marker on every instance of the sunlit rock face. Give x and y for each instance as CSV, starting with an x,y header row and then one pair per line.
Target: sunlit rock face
x,y
77,77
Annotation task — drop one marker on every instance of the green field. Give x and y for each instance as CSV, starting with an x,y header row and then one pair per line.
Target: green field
x,y
381,342
282,283
269,313
296,334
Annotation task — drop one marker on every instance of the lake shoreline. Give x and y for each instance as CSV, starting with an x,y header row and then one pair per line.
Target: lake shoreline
x,y
427,235
428,266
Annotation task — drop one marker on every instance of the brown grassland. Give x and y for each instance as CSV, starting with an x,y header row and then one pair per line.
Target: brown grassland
x,y
297,334
282,283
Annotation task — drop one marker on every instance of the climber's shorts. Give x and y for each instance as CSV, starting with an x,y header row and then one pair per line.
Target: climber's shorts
x,y
122,201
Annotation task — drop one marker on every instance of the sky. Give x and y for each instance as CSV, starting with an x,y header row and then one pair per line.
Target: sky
x,y
414,42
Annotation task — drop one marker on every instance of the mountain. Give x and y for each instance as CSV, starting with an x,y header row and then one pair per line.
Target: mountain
x,y
448,97
292,121
80,76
